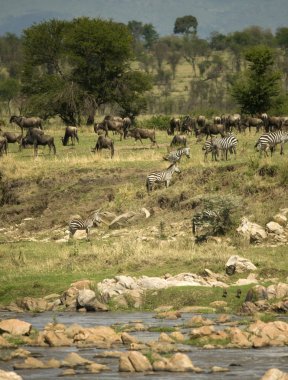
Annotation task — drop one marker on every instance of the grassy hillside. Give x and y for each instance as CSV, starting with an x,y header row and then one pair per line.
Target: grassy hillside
x,y
38,197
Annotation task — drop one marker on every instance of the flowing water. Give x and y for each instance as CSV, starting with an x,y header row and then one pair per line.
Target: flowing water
x,y
244,364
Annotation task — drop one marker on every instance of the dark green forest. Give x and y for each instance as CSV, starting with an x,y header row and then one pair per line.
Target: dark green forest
x,y
81,68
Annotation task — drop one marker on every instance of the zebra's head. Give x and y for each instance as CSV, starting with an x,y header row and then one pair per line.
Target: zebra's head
x,y
96,217
176,168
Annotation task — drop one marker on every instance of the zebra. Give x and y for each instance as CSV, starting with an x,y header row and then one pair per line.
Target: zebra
x,y
224,144
176,155
270,140
163,176
81,224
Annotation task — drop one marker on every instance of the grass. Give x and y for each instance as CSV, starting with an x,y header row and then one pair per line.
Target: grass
x,y
48,190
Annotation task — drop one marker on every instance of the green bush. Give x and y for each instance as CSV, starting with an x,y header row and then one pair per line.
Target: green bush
x,y
160,122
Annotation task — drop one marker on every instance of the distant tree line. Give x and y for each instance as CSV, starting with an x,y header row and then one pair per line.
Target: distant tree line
x,y
73,68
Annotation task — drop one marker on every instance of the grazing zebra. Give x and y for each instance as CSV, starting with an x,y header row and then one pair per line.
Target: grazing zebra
x,y
224,144
176,155
270,140
81,224
163,176
210,146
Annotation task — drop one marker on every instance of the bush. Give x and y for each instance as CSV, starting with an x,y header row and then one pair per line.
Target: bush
x,y
160,122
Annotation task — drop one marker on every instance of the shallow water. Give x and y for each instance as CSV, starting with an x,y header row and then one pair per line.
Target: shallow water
x,y
244,364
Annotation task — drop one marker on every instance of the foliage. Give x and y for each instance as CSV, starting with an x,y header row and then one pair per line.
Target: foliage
x,y
282,37
144,33
160,122
9,89
257,88
186,25
71,68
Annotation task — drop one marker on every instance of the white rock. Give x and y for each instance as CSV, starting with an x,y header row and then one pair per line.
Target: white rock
x,y
241,264
275,228
252,230
280,219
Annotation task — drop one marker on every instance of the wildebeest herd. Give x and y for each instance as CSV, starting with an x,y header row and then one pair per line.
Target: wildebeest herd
x,y
219,133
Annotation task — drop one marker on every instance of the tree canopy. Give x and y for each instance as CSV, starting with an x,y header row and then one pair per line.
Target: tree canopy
x,y
71,68
186,25
259,85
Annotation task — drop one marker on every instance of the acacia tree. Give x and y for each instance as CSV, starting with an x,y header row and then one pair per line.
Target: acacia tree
x,y
186,25
256,90
71,68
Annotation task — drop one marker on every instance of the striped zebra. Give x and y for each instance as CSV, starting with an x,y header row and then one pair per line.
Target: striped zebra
x,y
177,155
270,140
81,224
225,144
163,176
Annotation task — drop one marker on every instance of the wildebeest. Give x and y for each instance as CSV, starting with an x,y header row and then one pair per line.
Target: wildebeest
x,y
37,137
139,134
210,130
72,133
12,138
104,143
3,145
174,125
253,122
179,140
188,125
274,123
232,121
201,121
114,124
26,122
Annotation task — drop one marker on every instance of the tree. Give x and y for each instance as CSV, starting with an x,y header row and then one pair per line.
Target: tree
x,y
282,37
194,47
186,25
9,89
85,63
143,33
256,90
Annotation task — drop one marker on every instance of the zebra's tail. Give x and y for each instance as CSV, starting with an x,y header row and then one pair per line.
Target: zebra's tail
x,y
147,185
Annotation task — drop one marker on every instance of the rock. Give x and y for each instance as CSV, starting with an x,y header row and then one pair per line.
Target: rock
x,y
9,375
134,361
97,335
96,367
125,219
33,363
68,298
241,264
252,231
165,338
201,331
169,315
15,327
272,333
215,368
198,320
162,309
74,360
68,372
128,339
177,363
4,343
256,293
218,304
82,284
238,337
177,336
275,374
277,291
56,339
248,308
274,228
87,298
37,305
280,219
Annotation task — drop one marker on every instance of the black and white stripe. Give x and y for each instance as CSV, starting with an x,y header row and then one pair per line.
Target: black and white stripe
x,y
84,224
224,144
176,155
270,140
162,176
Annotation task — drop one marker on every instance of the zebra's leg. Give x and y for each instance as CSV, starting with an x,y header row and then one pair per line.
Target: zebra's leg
x,y
282,148
87,233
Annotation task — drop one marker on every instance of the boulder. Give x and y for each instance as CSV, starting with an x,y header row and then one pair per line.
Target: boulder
x,y
177,363
73,360
280,219
277,291
241,264
87,298
134,361
275,228
9,375
274,374
56,339
33,363
15,327
254,232
33,304
256,293
125,219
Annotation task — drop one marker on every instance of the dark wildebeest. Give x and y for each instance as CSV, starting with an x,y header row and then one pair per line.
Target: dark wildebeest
x,y
201,121
139,134
26,122
232,121
179,140
274,123
210,130
251,122
72,133
104,143
173,126
217,120
12,138
3,145
37,137
188,125
114,124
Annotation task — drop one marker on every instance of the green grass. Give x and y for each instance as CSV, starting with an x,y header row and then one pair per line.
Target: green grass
x,y
50,189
